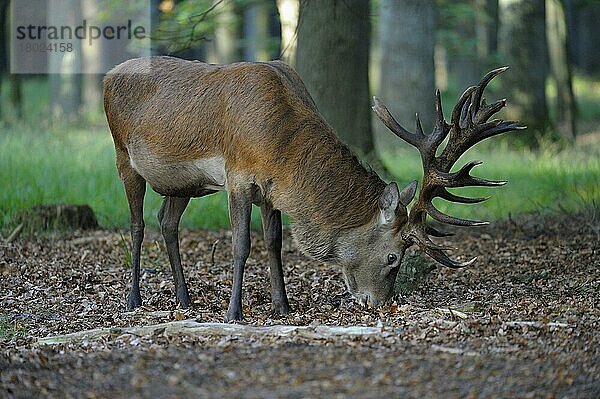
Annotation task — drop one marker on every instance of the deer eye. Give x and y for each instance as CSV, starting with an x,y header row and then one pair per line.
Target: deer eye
x,y
391,259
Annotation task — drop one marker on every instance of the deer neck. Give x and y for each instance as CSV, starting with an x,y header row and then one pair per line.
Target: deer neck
x,y
327,212
333,245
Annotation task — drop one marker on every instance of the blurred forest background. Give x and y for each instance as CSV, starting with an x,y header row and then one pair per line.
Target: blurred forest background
x,y
55,145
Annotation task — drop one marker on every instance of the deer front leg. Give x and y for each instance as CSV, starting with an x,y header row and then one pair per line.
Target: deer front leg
x,y
135,189
271,221
240,208
168,217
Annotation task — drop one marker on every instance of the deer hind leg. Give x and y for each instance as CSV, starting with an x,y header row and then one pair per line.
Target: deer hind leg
x,y
168,217
271,221
240,208
135,189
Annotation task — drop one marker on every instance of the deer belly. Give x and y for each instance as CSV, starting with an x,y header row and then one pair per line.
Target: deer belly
x,y
193,178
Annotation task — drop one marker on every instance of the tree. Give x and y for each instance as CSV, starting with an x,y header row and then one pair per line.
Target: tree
x,y
93,56
523,43
584,30
15,88
560,68
487,23
407,78
458,33
224,48
258,38
65,87
288,16
332,58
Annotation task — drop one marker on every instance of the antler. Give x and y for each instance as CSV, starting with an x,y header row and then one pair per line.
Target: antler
x,y
469,125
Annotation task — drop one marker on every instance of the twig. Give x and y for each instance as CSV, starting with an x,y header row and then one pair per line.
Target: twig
x,y
537,324
192,327
212,253
15,233
453,312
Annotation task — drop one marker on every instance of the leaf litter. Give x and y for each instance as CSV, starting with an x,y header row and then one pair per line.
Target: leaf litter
x,y
522,321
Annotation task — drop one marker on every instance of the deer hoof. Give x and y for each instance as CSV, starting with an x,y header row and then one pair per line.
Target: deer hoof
x,y
281,307
134,301
233,315
183,298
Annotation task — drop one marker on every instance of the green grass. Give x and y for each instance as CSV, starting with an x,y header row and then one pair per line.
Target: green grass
x,y
9,330
587,93
77,166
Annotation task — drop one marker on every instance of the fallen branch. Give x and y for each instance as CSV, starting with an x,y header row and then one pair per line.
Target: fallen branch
x,y
454,351
536,324
157,314
192,327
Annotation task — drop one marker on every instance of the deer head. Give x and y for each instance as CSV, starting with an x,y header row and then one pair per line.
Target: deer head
x,y
395,230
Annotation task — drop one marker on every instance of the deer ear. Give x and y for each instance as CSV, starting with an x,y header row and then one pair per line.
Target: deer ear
x,y
408,193
388,202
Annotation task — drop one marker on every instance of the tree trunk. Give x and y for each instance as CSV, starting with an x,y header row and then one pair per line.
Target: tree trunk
x,y
65,86
487,32
16,94
15,88
332,58
257,31
584,31
407,78
560,68
523,43
224,49
288,15
93,58
462,58
3,45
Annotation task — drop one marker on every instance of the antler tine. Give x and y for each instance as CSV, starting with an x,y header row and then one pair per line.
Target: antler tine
x,y
448,196
461,106
483,84
435,232
420,234
486,111
442,217
441,128
442,258
495,127
462,177
386,117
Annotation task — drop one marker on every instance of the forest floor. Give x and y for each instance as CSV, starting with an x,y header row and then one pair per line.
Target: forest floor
x,y
522,321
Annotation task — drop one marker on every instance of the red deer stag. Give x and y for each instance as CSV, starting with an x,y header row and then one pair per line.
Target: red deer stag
x,y
191,129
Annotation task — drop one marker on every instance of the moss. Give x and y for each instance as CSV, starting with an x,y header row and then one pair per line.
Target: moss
x,y
413,271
